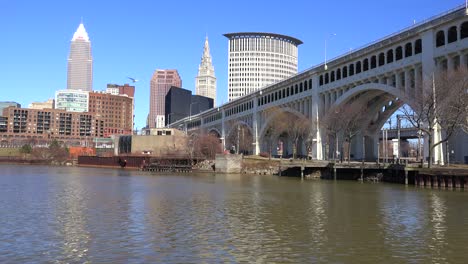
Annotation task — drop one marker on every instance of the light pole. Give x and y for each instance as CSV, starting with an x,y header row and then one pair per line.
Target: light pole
x,y
238,130
399,137
169,118
190,115
327,38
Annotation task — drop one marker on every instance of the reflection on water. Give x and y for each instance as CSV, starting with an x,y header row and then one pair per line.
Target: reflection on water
x,y
53,214
70,219
437,218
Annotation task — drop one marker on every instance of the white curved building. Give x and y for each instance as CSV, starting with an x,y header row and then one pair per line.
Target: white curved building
x,y
258,59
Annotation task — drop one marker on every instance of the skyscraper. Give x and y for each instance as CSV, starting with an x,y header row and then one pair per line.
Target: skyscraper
x,y
205,82
80,62
160,84
258,59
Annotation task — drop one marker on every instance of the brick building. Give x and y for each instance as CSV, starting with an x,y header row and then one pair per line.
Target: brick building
x,y
160,84
23,125
115,111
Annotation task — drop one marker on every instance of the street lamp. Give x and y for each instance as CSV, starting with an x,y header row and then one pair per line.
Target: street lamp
x,y
169,119
329,37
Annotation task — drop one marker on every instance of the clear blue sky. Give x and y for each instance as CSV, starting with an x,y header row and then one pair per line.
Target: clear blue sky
x,y
133,38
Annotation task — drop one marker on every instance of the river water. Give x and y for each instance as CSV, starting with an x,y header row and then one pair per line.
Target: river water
x,y
87,215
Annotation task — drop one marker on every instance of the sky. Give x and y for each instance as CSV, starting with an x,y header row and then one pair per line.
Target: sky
x,y
134,38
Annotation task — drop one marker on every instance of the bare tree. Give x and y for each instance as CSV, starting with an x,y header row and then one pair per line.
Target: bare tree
x,y
346,120
277,125
191,146
442,104
240,138
333,125
56,152
353,122
299,127
207,146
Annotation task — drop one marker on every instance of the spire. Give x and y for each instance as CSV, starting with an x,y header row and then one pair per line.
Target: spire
x,y
206,48
80,33
205,82
206,66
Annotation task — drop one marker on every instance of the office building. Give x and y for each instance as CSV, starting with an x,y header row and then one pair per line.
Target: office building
x,y
258,59
200,104
6,104
114,111
205,82
49,104
160,84
180,103
124,90
80,62
117,89
72,100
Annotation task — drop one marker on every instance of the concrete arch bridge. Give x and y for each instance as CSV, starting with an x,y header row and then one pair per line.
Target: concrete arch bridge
x,y
381,76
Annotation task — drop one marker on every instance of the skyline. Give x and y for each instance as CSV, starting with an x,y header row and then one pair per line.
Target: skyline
x,y
133,47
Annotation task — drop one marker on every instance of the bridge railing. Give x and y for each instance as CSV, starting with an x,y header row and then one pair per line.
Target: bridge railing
x,y
362,47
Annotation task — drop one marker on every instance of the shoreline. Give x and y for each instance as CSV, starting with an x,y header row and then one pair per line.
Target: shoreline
x,y
455,176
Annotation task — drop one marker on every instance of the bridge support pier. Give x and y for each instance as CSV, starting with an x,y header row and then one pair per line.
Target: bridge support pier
x,y
406,177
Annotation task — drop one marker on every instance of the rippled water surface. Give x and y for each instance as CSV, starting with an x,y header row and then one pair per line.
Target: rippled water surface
x,y
83,215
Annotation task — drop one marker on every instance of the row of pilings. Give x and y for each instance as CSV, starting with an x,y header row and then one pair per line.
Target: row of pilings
x,y
440,177
441,181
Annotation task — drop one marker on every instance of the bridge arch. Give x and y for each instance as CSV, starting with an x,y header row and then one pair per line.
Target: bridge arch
x,y
384,88
267,122
382,99
234,125
282,137
214,130
241,141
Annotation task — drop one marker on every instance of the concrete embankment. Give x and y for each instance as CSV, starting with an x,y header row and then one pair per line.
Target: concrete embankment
x,y
455,176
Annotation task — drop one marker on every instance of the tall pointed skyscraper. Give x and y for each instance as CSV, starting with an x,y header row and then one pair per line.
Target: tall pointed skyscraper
x,y
80,62
205,82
